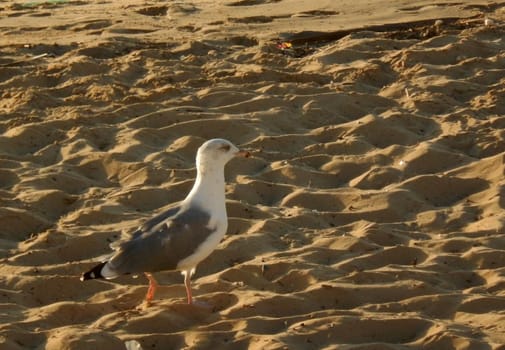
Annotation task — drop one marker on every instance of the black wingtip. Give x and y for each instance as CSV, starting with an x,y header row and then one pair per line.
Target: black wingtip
x,y
95,272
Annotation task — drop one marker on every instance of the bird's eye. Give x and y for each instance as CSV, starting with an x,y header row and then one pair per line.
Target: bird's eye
x,y
225,147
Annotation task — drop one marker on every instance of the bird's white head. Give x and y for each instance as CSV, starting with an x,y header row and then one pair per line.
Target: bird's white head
x,y
215,153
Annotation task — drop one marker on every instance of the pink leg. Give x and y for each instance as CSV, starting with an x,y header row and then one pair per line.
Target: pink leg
x,y
153,285
187,282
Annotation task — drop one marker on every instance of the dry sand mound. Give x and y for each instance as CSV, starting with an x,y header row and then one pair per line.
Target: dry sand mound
x,y
370,215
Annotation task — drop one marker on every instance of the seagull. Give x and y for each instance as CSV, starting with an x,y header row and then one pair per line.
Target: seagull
x,y
184,235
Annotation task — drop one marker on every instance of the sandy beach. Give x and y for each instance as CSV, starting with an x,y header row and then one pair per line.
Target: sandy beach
x,y
370,214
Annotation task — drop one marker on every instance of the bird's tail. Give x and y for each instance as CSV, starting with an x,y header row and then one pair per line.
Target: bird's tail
x,y
95,272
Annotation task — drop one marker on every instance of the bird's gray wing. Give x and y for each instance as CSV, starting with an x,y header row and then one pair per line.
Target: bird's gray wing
x,y
145,227
149,224
164,244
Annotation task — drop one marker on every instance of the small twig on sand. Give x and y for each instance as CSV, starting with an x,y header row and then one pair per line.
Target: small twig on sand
x,y
23,60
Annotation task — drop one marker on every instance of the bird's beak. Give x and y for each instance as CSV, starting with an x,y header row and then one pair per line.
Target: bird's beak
x,y
244,154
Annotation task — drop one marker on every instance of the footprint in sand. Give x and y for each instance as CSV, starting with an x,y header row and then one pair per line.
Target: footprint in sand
x,y
153,11
252,2
315,13
252,19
